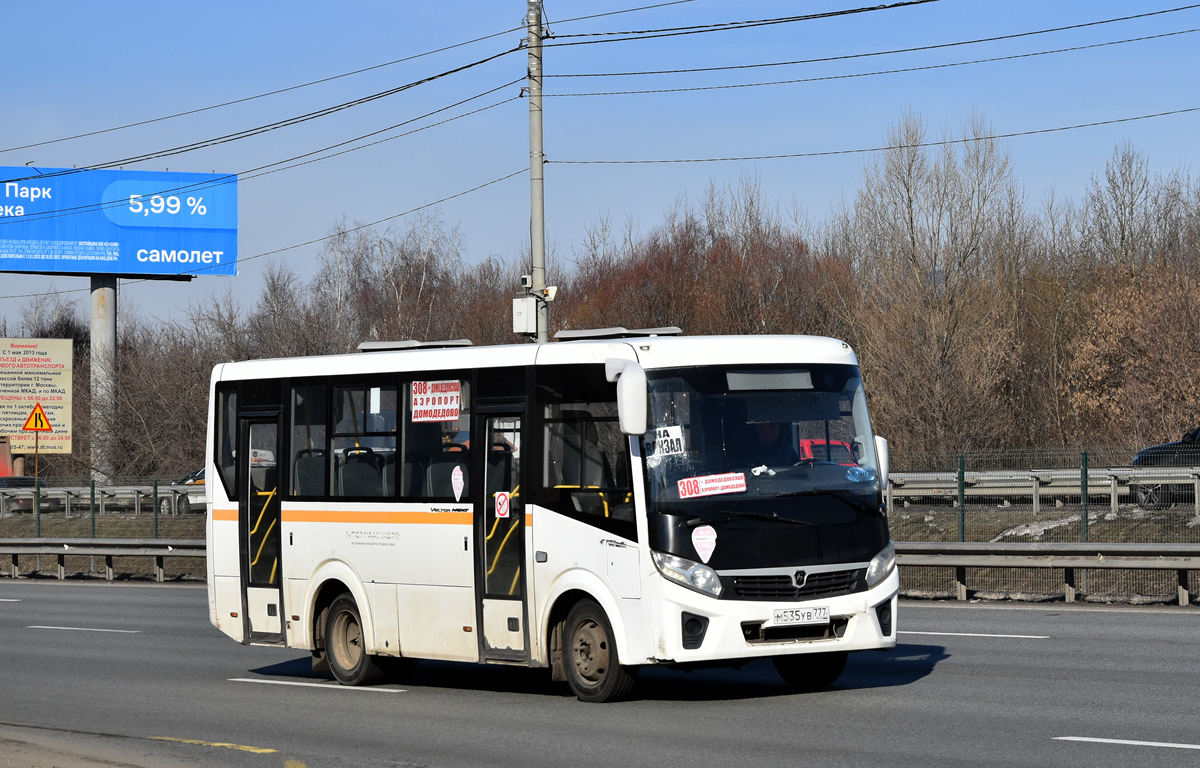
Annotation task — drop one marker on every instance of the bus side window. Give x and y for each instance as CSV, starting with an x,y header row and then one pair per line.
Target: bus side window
x,y
586,458
585,472
364,441
225,451
437,439
309,451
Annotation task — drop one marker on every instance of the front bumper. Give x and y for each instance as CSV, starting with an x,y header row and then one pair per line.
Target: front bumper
x,y
742,629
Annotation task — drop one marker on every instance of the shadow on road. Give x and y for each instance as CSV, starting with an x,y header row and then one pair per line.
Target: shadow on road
x,y
301,668
903,665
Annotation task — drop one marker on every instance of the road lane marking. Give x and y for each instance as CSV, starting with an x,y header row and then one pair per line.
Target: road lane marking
x,y
330,685
90,629
974,634
1128,742
226,745
10,599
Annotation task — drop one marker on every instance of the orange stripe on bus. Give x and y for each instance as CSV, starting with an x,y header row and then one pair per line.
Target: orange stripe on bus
x,y
385,518
328,516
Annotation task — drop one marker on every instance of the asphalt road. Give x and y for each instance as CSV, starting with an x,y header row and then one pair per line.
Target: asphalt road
x,y
134,675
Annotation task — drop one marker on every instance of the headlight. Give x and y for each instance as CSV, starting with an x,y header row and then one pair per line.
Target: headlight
x,y
861,474
692,575
881,565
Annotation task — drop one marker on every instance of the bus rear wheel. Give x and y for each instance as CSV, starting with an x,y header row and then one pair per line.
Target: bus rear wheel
x,y
811,671
593,669
345,644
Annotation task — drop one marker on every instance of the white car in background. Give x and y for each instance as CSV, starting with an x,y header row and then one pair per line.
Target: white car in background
x,y
191,495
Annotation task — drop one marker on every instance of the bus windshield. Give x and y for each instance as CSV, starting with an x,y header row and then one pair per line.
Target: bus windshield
x,y
722,436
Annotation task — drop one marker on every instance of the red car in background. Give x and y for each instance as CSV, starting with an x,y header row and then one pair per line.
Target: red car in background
x,y
835,451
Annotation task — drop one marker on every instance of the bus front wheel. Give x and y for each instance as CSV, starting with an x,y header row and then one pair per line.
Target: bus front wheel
x,y
811,671
593,669
345,644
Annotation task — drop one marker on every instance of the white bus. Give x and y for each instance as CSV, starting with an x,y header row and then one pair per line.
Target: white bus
x,y
616,499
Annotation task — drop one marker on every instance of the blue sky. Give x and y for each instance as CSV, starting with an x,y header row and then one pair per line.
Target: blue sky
x,y
76,67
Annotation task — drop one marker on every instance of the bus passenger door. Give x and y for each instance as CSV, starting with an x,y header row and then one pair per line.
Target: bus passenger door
x,y
500,537
259,523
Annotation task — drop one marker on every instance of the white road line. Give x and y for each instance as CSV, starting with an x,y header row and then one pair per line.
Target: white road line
x,y
1128,742
975,634
91,629
330,685
10,599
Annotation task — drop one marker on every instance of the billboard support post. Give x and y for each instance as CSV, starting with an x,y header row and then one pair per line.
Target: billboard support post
x,y
103,378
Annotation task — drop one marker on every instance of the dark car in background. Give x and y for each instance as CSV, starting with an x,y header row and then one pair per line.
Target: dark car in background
x,y
1185,452
24,502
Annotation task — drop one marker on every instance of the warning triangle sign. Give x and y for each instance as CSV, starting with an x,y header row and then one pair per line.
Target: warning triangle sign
x,y
37,421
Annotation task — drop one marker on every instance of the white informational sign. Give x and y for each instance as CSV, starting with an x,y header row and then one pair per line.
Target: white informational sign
x,y
33,372
502,507
668,441
712,485
436,400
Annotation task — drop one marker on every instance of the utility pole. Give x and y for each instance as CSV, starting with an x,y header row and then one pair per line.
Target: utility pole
x,y
537,186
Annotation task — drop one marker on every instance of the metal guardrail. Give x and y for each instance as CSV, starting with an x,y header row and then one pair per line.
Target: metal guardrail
x,y
1068,556
108,548
1115,482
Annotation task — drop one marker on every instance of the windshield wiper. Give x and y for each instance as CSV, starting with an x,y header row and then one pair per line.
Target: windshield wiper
x,y
850,497
693,522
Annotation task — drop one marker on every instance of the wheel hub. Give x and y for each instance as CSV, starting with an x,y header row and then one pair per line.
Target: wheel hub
x,y
590,651
347,645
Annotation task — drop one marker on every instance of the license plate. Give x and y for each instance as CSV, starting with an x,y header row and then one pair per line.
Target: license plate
x,y
817,614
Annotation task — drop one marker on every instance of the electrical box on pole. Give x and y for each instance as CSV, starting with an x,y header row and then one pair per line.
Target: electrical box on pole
x,y
525,320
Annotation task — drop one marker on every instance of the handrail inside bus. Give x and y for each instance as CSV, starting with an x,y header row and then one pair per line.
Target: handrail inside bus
x,y
262,510
496,559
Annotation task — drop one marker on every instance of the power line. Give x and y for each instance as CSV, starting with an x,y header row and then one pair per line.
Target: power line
x,y
288,122
882,72
943,143
877,53
242,175
380,141
651,34
260,95
297,245
627,10
719,26
319,81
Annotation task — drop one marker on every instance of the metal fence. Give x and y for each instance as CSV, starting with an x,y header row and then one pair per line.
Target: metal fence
x,y
1044,496
136,511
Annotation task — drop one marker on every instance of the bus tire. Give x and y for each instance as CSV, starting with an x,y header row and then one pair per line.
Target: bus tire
x,y
345,645
811,671
593,669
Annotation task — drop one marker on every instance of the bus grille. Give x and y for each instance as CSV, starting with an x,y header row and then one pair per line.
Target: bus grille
x,y
781,587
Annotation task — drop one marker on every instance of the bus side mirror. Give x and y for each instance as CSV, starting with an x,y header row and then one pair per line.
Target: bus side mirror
x,y
632,399
881,457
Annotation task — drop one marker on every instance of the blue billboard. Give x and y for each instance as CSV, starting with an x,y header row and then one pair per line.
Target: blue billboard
x,y
144,223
